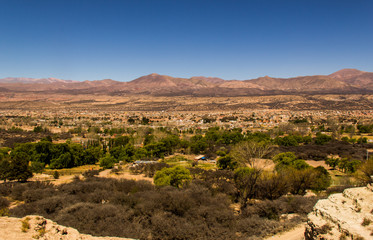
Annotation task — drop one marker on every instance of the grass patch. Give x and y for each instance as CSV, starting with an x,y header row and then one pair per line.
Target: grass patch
x,y
25,224
72,171
175,159
366,222
203,165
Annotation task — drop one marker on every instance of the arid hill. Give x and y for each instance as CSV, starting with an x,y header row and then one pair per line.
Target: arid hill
x,y
38,227
346,81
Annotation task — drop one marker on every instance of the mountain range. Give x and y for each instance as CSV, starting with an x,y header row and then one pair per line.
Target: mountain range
x,y
345,81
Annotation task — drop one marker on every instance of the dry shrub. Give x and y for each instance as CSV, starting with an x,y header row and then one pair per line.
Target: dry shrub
x,y
6,189
136,209
4,203
148,169
261,227
90,173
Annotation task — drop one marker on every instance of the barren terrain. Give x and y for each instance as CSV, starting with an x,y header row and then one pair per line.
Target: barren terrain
x,y
32,101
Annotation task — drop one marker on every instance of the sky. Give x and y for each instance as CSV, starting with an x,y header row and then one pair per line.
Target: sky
x,y
230,39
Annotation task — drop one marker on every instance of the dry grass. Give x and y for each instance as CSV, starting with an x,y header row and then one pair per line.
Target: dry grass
x,y
72,171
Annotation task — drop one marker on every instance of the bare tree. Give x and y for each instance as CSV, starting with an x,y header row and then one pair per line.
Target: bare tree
x,y
288,128
365,175
249,152
334,126
303,128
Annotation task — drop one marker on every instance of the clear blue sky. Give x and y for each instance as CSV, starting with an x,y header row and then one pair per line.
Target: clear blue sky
x,y
231,39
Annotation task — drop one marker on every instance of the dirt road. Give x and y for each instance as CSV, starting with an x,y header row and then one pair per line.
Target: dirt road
x,y
296,233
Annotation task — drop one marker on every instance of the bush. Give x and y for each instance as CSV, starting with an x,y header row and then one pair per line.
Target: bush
x,y
176,158
148,169
226,162
17,191
6,189
288,159
90,173
4,203
107,162
338,189
322,139
175,176
37,167
56,175
138,209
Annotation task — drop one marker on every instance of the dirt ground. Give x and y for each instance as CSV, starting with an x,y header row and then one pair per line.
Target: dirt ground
x,y
314,163
124,175
296,233
106,173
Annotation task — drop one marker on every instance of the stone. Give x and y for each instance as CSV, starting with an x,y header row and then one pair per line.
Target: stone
x,y
347,215
43,229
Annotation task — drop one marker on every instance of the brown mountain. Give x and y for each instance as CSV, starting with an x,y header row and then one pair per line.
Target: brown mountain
x,y
34,80
343,81
346,73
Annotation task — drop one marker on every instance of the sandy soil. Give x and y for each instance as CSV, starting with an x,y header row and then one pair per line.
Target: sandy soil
x,y
106,173
296,233
314,163
124,175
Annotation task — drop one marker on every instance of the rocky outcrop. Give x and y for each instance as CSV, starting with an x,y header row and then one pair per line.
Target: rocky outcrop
x,y
347,215
37,227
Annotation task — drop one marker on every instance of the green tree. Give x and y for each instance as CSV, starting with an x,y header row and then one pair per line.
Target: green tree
x,y
246,180
4,152
322,139
287,141
365,173
64,161
37,167
4,169
346,165
92,154
19,167
145,121
288,159
322,179
299,180
175,176
353,165
107,162
332,162
226,162
198,144
56,174
119,141
38,129
272,185
157,149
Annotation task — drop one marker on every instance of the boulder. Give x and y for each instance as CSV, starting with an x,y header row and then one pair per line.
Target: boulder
x,y
347,215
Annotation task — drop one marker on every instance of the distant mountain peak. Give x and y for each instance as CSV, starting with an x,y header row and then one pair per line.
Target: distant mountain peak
x,y
34,80
342,81
154,75
266,77
346,73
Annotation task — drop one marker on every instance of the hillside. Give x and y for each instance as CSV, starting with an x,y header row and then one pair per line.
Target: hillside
x,y
38,227
346,81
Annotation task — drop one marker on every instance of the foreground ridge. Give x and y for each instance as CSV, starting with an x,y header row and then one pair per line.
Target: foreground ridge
x,y
347,215
37,227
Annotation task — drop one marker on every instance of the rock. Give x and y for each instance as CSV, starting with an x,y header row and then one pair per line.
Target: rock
x,y
347,215
37,227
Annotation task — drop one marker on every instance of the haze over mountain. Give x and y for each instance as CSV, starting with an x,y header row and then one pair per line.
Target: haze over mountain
x,y
343,81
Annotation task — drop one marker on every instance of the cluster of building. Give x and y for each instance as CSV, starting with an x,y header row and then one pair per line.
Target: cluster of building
x,y
64,121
